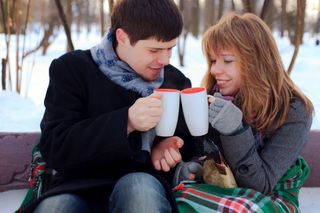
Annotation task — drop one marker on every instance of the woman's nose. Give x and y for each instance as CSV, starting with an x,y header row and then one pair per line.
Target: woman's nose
x,y
216,69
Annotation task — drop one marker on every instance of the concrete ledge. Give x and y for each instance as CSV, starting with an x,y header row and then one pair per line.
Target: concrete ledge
x,y
311,154
15,156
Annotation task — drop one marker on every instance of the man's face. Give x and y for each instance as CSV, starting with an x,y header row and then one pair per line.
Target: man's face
x,y
146,57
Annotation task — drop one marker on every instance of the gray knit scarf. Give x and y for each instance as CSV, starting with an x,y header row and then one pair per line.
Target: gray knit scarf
x,y
123,75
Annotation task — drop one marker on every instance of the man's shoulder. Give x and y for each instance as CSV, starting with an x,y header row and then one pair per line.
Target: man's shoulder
x,y
78,62
75,55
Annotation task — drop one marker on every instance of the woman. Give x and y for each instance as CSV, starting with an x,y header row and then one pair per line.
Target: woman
x,y
261,131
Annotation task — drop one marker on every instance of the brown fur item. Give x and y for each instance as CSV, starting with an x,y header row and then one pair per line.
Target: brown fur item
x,y
218,174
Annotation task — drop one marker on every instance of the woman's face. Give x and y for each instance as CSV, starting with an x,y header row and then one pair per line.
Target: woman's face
x,y
225,69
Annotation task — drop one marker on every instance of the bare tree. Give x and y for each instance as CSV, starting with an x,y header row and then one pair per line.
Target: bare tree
x,y
101,3
268,12
283,22
3,73
9,27
265,8
301,5
17,31
111,4
233,6
65,24
68,12
209,13
190,12
317,22
221,7
3,60
248,6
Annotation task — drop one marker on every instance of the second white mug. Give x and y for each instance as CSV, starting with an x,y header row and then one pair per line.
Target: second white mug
x,y
195,110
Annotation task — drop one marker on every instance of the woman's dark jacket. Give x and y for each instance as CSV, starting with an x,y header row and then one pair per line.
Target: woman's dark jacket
x,y
84,128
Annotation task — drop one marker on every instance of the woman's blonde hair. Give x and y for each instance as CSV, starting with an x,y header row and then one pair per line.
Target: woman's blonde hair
x,y
267,89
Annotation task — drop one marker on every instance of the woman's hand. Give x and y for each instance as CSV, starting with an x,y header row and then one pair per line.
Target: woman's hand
x,y
165,155
185,171
224,116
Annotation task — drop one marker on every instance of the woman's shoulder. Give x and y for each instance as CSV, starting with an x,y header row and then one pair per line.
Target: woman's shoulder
x,y
297,105
299,111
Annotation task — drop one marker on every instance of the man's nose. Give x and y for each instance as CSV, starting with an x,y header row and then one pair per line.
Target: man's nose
x,y
164,57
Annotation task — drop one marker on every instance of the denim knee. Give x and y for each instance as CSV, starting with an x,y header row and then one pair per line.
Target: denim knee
x,y
139,192
64,203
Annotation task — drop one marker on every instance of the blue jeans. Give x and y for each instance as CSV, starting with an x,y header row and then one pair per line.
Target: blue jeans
x,y
134,192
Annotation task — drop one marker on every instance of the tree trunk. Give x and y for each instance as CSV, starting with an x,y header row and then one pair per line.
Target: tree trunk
x,y
3,60
25,33
9,25
88,16
221,7
248,6
209,13
17,30
301,4
283,22
196,18
111,4
317,23
101,3
65,24
3,17
233,6
265,7
3,73
181,49
69,12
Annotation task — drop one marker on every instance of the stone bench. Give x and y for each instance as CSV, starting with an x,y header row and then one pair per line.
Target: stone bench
x,y
16,148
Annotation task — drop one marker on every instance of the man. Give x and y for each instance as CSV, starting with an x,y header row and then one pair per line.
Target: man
x,y
98,127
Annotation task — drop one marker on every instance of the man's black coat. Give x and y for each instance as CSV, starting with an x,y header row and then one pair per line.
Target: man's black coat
x,y
84,128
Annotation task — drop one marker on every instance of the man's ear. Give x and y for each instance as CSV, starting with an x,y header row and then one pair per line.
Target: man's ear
x,y
122,37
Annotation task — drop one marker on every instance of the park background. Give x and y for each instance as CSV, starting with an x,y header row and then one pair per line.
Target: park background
x,y
33,33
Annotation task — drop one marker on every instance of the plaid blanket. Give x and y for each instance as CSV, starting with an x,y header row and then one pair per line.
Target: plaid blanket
x,y
209,198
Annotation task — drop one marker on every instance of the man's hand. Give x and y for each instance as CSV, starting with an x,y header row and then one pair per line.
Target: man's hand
x,y
145,113
165,155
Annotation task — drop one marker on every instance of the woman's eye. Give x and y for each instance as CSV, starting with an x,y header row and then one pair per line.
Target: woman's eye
x,y
228,61
213,61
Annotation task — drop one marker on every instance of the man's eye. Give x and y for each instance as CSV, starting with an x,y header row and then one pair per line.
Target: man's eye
x,y
153,51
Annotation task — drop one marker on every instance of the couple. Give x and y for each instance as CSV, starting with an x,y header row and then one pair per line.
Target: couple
x,y
98,127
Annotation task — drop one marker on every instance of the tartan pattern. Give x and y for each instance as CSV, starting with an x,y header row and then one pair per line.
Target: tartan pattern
x,y
38,173
205,198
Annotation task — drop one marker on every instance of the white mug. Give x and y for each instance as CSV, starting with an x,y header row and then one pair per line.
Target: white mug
x,y
195,110
169,118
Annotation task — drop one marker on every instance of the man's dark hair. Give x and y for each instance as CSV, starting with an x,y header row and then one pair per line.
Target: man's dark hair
x,y
143,19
